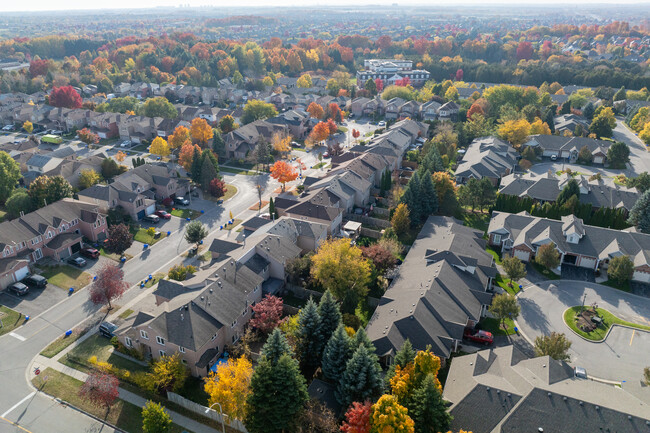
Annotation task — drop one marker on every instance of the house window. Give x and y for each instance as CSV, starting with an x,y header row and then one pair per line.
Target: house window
x,y
160,340
496,238
144,335
181,349
162,353
128,342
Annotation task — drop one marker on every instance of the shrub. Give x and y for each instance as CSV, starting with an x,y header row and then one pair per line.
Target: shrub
x,y
180,272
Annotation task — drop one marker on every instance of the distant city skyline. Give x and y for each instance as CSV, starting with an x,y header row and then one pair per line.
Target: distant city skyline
x,y
45,5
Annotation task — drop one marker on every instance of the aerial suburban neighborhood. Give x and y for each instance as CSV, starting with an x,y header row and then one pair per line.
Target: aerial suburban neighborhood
x,y
361,218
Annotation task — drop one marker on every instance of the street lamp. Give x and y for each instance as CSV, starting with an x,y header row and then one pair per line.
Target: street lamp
x,y
223,427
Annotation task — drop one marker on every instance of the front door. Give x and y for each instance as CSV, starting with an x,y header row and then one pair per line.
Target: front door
x,y
38,254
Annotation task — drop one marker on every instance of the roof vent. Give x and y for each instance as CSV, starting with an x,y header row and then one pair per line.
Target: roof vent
x,y
498,391
487,389
187,307
549,394
543,365
210,289
629,417
201,297
597,407
580,403
540,430
564,398
509,395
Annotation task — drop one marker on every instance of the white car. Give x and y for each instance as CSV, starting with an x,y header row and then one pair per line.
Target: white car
x,y
126,143
381,124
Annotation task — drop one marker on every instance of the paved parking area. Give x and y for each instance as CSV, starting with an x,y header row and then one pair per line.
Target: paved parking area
x,y
570,272
621,357
35,302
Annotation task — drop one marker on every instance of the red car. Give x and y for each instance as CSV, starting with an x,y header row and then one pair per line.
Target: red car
x,y
483,337
163,214
91,253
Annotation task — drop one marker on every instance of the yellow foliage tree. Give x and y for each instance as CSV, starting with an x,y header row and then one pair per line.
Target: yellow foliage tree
x,y
179,137
401,220
88,178
28,126
230,386
159,147
388,416
281,142
645,134
406,380
304,81
120,156
515,131
200,131
539,127
167,374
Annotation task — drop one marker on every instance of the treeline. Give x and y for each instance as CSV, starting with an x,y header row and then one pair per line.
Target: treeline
x,y
602,217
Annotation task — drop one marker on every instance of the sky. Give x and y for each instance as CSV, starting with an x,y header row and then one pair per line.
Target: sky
x,y
43,5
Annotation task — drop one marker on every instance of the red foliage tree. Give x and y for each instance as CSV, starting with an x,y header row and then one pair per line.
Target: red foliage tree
x,y
65,96
383,42
332,127
403,82
119,238
101,389
334,112
524,50
381,258
380,84
475,109
88,137
356,133
218,187
108,286
268,313
459,75
357,418
38,67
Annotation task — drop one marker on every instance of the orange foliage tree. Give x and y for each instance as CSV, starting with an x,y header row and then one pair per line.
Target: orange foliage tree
x,y
187,154
315,111
200,131
320,132
179,137
283,172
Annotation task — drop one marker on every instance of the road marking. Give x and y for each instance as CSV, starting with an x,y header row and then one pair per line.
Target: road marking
x,y
14,424
20,337
18,404
632,337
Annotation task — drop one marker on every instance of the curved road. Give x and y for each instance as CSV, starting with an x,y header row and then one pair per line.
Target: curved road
x,y
621,357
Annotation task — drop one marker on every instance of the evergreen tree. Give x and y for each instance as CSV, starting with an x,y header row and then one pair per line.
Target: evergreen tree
x,y
271,207
428,195
208,172
588,111
197,162
429,410
413,200
218,145
640,213
276,345
309,346
572,188
432,162
278,394
330,315
361,339
361,379
338,351
620,95
403,356
549,119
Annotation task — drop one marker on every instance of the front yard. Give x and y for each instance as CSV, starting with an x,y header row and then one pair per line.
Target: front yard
x,y
233,225
142,235
492,325
65,276
185,213
102,348
9,319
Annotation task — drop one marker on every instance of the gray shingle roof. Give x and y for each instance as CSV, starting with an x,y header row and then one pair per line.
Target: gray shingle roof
x,y
487,157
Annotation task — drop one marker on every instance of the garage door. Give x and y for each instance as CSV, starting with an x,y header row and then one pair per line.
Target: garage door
x,y
522,255
76,248
151,209
64,254
598,159
21,273
141,214
586,262
641,276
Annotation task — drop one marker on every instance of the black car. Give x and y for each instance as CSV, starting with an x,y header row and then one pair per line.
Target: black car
x,y
19,289
36,281
153,219
107,329
77,261
181,201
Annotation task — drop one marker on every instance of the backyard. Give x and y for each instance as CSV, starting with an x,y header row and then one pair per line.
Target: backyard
x,y
65,276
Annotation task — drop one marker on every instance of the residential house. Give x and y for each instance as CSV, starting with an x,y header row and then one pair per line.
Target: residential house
x,y
569,147
448,111
487,157
54,231
520,235
326,214
245,138
571,123
429,110
390,71
297,123
443,286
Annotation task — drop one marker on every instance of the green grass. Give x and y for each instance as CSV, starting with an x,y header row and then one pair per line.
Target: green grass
x,y
122,414
231,190
620,286
10,319
140,148
299,149
65,276
102,348
141,235
492,325
599,333
495,254
369,134
126,314
237,171
503,283
61,343
545,271
113,256
154,279
233,225
342,129
320,165
185,213
479,221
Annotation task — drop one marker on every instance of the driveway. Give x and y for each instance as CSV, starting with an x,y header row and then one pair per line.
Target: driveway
x,y
639,156
621,357
34,302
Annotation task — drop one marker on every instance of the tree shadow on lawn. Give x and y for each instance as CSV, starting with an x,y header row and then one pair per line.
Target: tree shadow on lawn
x,y
533,315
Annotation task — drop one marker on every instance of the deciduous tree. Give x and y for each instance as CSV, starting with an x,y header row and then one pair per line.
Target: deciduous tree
x,y
304,81
87,136
620,269
230,387
65,96
268,314
400,220
119,238
168,373
515,269
108,286
315,111
283,172
555,345
9,175
281,142
88,178
256,109
388,416
195,232
18,202
320,132
46,190
28,126
201,131
515,131
158,107
357,418
155,418
227,124
186,155
504,306
159,147
179,137
381,258
548,256
218,187
618,154
120,156
101,389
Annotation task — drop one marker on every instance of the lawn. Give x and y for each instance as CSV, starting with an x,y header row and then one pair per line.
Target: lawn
x,y
65,276
9,319
126,313
545,271
113,256
503,283
237,171
492,325
494,253
320,165
476,220
154,279
185,213
102,348
599,333
233,225
140,148
58,345
141,235
122,414
231,190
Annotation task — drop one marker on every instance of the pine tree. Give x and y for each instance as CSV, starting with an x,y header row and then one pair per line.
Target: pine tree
x,y
361,379
330,315
278,394
338,351
428,195
218,145
403,356
276,345
309,346
431,162
640,213
413,200
361,339
429,410
197,162
208,172
271,207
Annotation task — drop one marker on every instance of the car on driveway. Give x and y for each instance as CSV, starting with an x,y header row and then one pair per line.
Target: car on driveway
x,y
152,219
126,143
19,289
381,124
482,337
37,281
107,329
163,214
77,261
91,253
182,201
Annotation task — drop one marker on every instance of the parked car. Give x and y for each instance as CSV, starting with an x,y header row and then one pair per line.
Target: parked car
x,y
553,157
77,261
295,144
381,124
153,219
483,337
19,289
163,214
91,253
220,201
125,143
107,329
37,281
181,201
326,155
8,128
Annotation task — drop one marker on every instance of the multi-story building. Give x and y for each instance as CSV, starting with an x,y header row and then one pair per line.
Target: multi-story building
x,y
391,71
